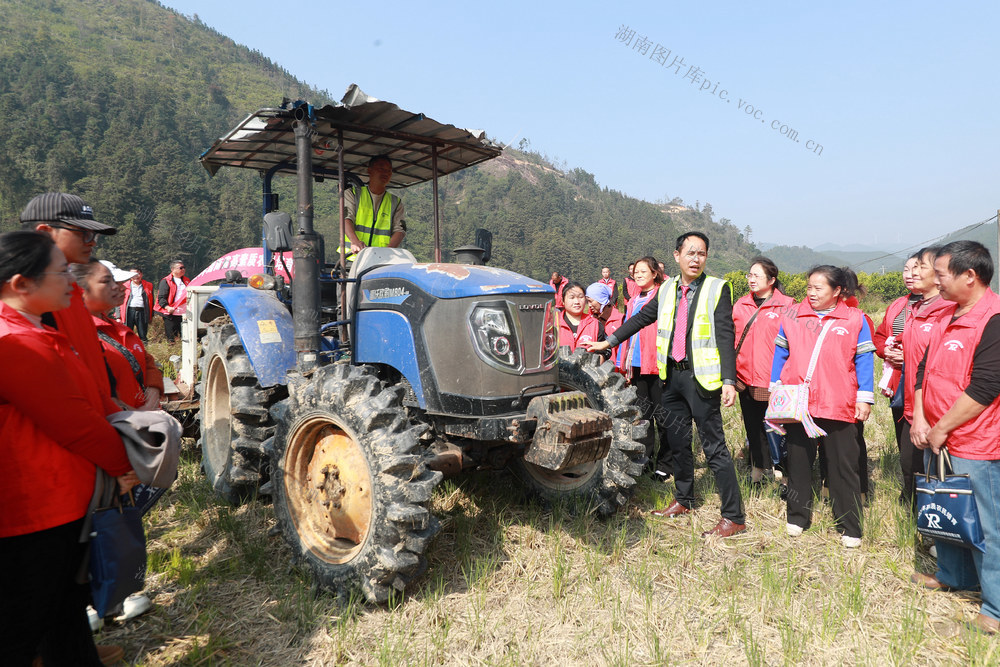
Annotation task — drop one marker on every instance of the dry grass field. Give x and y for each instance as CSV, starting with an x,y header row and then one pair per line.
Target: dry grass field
x,y
514,582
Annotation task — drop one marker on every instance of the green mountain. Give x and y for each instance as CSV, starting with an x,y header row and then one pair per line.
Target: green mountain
x,y
543,220
985,233
796,259
115,100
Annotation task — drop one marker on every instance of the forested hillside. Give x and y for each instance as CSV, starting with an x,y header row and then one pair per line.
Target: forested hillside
x,y
544,220
796,259
115,99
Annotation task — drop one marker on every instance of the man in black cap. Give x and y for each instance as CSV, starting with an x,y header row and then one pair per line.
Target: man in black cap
x,y
70,222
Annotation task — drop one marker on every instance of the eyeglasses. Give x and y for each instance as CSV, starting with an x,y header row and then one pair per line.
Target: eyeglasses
x,y
753,275
89,235
67,274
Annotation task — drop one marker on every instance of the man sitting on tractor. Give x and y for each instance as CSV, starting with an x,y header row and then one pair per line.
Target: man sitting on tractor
x,y
370,217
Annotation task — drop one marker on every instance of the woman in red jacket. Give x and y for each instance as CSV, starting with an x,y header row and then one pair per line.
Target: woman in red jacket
x,y
576,324
636,359
840,395
138,383
53,437
757,318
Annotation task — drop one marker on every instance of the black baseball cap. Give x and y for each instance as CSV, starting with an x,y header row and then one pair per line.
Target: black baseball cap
x,y
62,207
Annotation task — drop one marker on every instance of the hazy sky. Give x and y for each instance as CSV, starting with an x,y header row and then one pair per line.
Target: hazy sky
x,y
902,98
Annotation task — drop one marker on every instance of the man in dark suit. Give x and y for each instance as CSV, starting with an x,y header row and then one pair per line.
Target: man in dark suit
x,y
697,361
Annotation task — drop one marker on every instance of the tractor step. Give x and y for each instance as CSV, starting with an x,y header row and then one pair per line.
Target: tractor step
x,y
568,432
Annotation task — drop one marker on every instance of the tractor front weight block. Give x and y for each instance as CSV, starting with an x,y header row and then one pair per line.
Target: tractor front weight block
x,y
568,433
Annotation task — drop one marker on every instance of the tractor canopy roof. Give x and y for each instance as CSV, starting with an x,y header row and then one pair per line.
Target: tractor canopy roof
x,y
265,141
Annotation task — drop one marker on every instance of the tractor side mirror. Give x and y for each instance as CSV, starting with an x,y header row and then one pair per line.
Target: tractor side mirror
x,y
278,231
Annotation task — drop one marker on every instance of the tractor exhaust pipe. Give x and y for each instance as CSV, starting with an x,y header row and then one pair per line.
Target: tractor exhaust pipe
x,y
306,253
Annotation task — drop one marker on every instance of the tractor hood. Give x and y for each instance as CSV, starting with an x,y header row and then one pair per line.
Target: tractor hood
x,y
454,281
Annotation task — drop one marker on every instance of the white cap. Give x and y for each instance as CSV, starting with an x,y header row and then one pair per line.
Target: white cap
x,y
117,274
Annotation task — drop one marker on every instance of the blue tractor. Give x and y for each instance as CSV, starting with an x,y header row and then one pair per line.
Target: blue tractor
x,y
348,392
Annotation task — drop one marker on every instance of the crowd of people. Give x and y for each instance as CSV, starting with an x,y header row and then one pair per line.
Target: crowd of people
x,y
689,350
74,379
72,334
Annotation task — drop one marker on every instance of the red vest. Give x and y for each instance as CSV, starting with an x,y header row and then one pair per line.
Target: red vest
x,y
946,375
647,339
833,391
586,332
559,288
631,288
753,365
614,321
920,325
171,293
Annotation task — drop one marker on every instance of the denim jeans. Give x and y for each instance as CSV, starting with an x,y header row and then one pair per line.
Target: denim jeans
x,y
966,568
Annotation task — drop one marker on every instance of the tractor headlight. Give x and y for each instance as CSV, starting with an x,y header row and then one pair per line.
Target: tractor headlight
x,y
550,336
495,336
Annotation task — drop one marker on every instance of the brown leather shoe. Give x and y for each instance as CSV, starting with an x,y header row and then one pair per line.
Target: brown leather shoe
x,y
725,528
928,582
110,654
673,510
985,624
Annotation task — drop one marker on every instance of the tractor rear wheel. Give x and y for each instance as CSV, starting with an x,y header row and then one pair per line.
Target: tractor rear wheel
x,y
608,483
235,418
352,494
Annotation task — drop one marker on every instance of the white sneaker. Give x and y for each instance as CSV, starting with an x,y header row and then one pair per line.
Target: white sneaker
x,y
136,604
793,530
96,622
850,542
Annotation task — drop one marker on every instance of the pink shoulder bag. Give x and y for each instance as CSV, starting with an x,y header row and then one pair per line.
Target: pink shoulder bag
x,y
790,402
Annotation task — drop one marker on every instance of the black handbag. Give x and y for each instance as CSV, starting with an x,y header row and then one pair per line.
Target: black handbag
x,y
946,507
117,554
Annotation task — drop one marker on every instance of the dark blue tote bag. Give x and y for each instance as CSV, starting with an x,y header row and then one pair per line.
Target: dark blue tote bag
x,y
946,507
117,554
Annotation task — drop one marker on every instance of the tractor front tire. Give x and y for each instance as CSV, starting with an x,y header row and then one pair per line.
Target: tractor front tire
x,y
610,482
235,417
352,493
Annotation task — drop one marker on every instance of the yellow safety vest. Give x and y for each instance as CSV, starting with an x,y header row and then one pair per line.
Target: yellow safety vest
x,y
705,359
368,226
